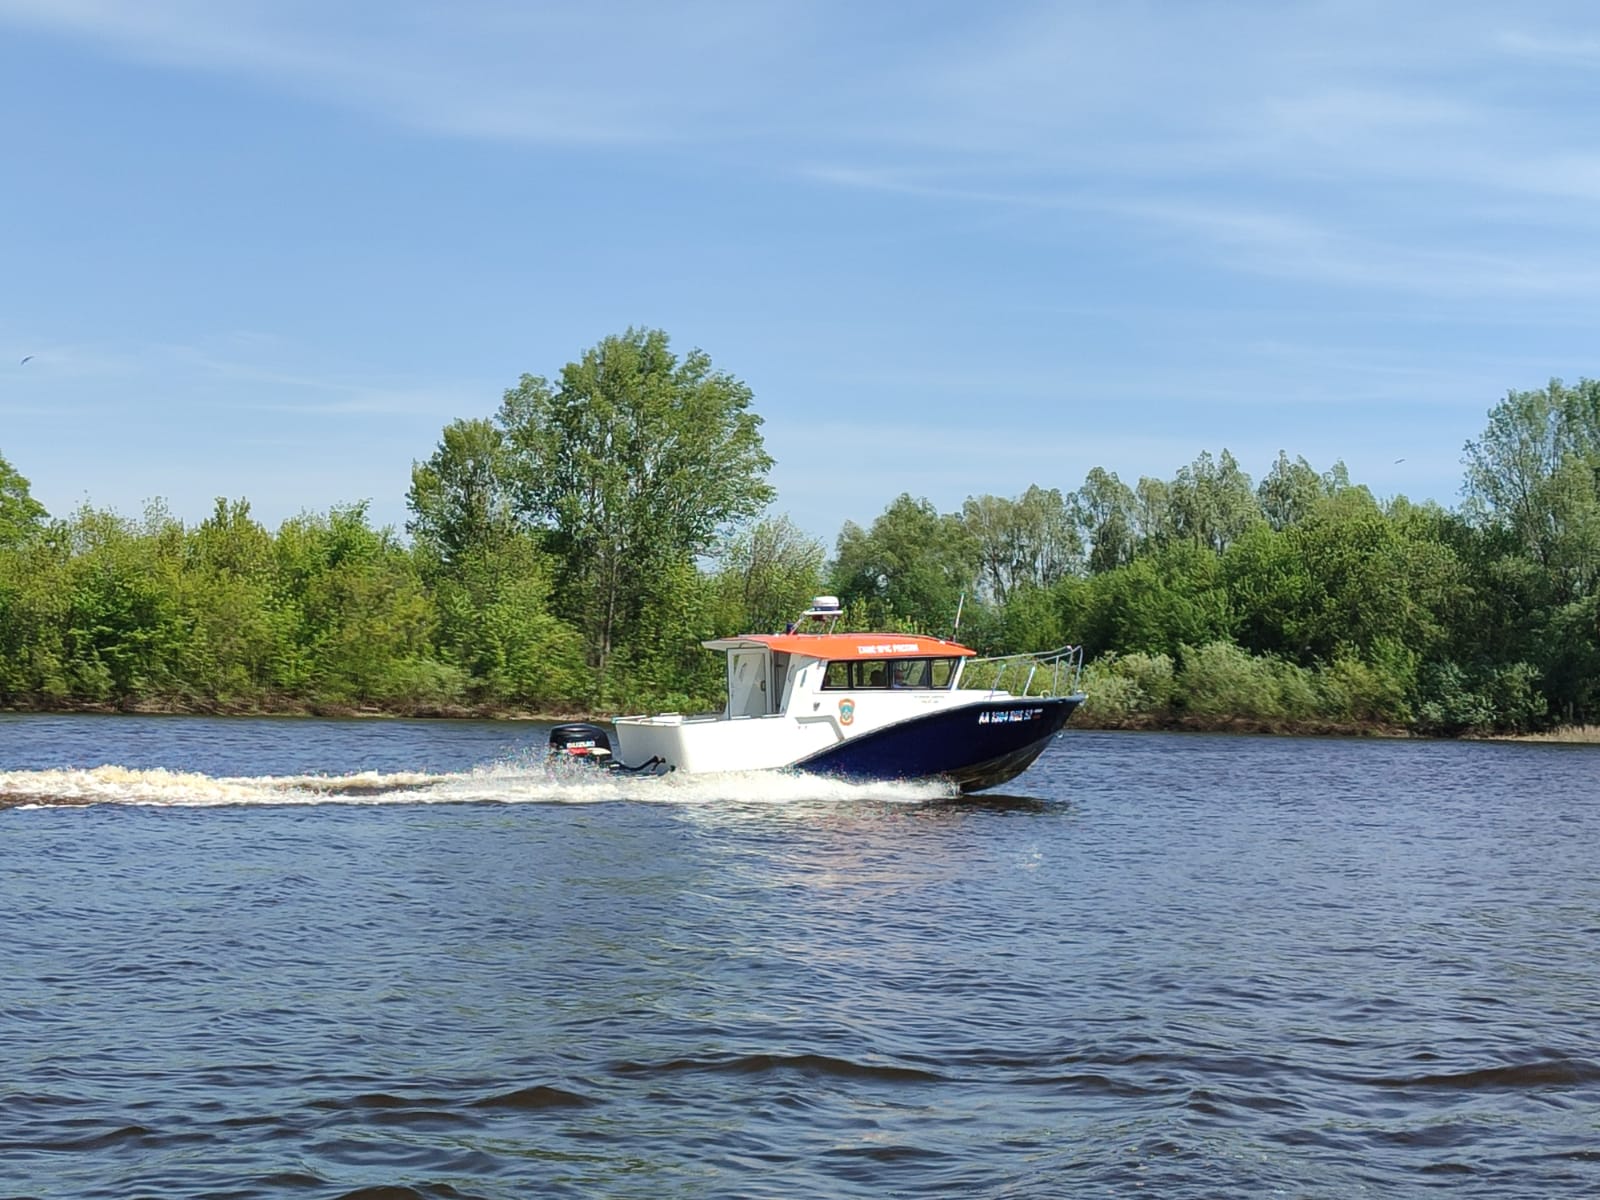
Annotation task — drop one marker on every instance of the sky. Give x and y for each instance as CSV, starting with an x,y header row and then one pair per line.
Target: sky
x,y
268,249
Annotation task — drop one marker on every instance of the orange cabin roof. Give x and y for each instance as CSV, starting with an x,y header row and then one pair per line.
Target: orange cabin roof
x,y
844,646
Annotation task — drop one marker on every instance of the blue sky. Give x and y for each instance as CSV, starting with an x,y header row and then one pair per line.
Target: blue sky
x,y
269,249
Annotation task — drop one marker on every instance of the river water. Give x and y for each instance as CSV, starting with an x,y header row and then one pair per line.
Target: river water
x,y
388,960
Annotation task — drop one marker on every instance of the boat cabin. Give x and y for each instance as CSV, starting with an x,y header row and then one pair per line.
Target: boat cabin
x,y
766,671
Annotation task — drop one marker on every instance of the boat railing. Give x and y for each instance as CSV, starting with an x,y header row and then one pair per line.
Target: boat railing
x,y
1037,673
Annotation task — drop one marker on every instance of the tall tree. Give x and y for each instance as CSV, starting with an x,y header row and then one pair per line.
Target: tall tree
x,y
1161,601
1106,511
21,516
1291,491
911,567
1533,495
1031,541
462,499
1347,579
1536,473
635,461
362,623
1153,518
766,575
1213,502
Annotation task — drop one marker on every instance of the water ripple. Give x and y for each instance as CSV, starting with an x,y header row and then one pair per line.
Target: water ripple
x,y
308,958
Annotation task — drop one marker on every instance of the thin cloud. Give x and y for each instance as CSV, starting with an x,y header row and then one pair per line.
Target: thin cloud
x,y
1579,51
182,373
493,71
334,396
1348,90
1285,243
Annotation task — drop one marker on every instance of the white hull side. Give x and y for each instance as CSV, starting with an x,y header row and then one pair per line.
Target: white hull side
x,y
717,743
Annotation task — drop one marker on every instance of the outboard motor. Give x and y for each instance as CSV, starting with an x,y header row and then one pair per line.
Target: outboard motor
x,y
581,742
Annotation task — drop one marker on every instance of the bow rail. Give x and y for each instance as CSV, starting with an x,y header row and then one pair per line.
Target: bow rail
x,y
1042,673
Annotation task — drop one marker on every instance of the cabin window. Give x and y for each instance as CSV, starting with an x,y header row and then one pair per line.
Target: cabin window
x,y
922,673
873,674
841,675
908,673
932,674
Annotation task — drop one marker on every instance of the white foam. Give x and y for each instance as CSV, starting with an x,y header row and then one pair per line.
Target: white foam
x,y
501,783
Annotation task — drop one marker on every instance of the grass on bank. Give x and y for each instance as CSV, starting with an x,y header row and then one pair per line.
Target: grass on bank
x,y
1574,734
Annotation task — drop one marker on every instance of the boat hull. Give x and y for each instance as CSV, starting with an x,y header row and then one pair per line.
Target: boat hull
x,y
974,746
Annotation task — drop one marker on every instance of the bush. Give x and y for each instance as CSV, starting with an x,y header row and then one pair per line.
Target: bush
x,y
1295,690
1221,680
1353,690
1124,686
1519,702
1450,704
1110,697
1456,700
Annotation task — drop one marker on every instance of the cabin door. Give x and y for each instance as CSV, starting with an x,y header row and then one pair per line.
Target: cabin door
x,y
748,688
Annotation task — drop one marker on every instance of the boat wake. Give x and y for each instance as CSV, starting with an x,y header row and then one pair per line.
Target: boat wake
x,y
502,783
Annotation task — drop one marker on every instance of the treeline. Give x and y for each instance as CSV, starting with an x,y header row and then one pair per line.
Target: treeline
x,y
569,553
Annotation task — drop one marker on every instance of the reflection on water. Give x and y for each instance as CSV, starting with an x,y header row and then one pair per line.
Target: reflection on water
x,y
404,959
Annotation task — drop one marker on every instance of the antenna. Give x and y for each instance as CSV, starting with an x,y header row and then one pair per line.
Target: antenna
x,y
957,625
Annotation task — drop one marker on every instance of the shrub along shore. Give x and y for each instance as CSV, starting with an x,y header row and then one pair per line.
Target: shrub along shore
x,y
1220,689
567,554
1090,716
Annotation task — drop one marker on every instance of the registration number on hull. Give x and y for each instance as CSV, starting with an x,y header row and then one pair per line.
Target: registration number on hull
x,y
1010,716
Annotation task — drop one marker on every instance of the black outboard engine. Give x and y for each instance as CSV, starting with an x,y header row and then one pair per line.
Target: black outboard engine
x,y
581,742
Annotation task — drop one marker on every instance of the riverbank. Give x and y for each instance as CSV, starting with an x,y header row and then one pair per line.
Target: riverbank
x,y
290,707
1284,726
1577,735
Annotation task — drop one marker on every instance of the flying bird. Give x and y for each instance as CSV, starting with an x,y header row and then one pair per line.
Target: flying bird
x,y
24,362
1399,461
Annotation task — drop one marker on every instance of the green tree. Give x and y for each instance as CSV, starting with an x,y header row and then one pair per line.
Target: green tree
x,y
1566,651
1213,502
126,633
34,599
1536,472
766,575
228,589
1346,579
362,623
634,461
463,498
912,566
21,516
1031,541
669,668
1291,490
1033,618
1153,515
496,627
1533,502
1161,601
1106,512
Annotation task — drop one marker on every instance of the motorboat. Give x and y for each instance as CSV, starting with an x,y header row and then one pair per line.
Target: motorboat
x,y
855,706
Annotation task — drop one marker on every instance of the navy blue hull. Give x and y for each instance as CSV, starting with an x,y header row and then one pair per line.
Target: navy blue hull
x,y
975,746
